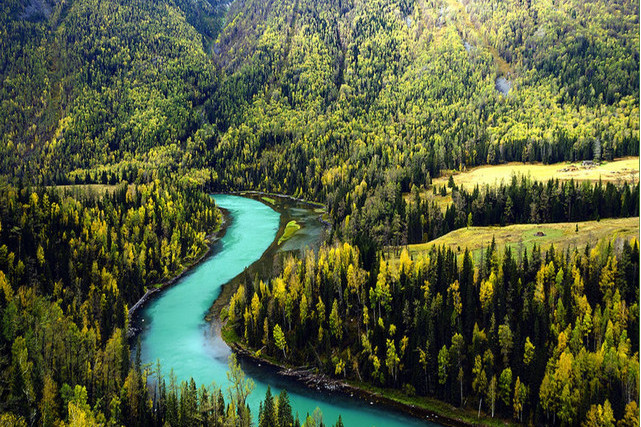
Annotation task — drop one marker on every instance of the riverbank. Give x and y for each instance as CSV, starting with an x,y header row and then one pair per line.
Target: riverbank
x,y
424,408
263,196
211,239
420,407
289,208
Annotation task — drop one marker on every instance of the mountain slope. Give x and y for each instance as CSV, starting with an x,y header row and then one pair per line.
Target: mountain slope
x,y
95,82
356,88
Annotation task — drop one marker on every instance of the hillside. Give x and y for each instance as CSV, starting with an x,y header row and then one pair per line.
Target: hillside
x,y
319,94
335,97
617,172
119,118
91,83
524,236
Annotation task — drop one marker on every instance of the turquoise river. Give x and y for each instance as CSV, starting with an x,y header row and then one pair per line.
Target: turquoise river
x,y
175,332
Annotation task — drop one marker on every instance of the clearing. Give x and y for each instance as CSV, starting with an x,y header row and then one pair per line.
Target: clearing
x,y
620,170
520,236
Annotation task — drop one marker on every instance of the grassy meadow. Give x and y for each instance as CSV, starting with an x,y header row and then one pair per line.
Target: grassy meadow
x,y
625,169
619,170
518,236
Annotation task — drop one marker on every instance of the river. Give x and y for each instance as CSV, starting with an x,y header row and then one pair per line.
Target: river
x,y
175,333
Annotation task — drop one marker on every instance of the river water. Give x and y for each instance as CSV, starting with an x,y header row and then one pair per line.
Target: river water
x,y
175,333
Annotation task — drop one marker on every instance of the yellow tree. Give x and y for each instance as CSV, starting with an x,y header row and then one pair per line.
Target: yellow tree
x,y
279,339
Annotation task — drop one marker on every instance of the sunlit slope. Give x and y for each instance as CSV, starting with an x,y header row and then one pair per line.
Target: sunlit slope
x,y
525,236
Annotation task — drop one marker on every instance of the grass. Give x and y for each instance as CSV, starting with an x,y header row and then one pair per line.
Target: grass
x,y
269,200
625,169
291,228
229,335
562,235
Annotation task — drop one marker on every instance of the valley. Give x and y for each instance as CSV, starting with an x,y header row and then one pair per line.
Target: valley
x,y
430,204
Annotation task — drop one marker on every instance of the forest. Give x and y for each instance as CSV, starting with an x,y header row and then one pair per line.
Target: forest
x,y
118,118
546,337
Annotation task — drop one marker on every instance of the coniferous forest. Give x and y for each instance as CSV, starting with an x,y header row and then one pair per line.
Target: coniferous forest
x,y
119,118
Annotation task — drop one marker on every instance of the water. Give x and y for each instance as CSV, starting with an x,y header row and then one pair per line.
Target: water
x,y
503,85
175,332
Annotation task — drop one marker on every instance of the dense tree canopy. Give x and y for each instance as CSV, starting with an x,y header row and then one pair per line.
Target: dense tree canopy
x,y
352,103
549,337
70,266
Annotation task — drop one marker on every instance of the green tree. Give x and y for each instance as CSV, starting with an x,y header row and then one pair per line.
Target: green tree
x,y
479,383
279,338
600,416
505,386
520,396
506,342
491,394
335,323
457,349
392,360
443,365
267,414
285,417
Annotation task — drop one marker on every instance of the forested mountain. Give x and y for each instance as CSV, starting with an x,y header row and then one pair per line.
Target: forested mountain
x,y
319,94
88,83
70,266
355,91
351,103
326,100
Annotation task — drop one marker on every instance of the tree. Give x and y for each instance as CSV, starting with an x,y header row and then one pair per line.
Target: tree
x,y
458,344
285,417
505,341
528,351
240,386
630,416
335,323
267,413
450,182
491,394
486,294
479,383
520,396
392,360
443,365
48,404
600,416
424,360
279,338
505,386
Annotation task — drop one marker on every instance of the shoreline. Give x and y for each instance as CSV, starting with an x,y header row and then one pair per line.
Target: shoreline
x,y
300,374
132,328
282,196
325,382
258,267
305,375
256,194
